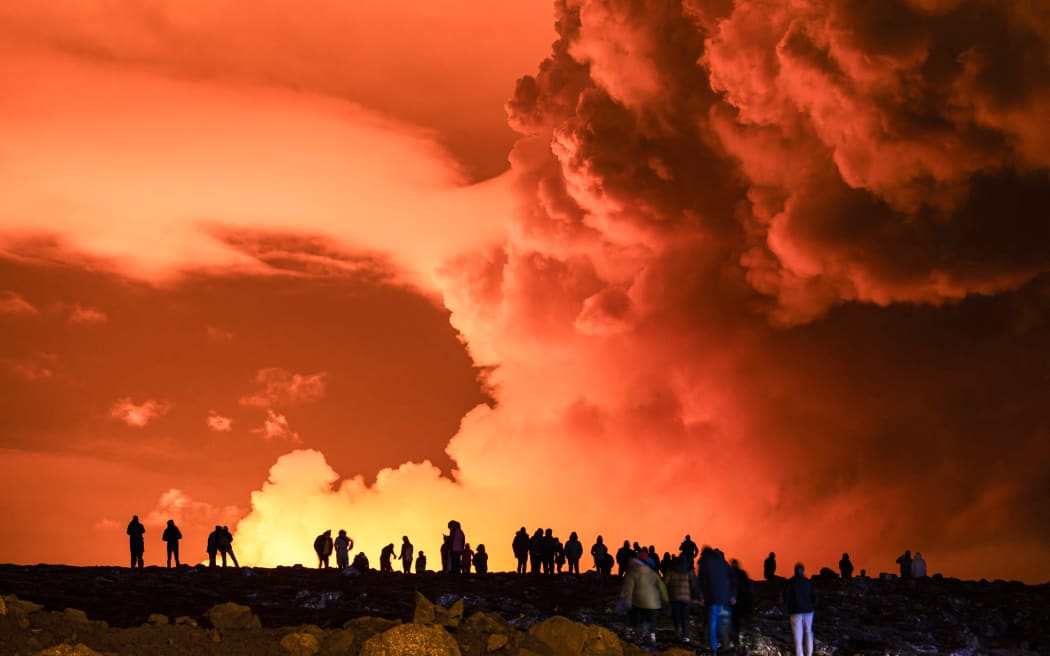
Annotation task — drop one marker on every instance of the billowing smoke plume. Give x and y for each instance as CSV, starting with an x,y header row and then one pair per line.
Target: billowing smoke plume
x,y
777,278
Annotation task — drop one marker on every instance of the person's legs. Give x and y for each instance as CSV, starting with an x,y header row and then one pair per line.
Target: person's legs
x,y
797,628
233,557
169,554
807,623
713,611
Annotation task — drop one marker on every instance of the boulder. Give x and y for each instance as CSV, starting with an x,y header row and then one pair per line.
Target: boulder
x,y
157,619
233,616
567,638
363,628
496,642
21,606
185,621
76,616
427,612
301,644
66,649
3,606
338,642
411,640
484,633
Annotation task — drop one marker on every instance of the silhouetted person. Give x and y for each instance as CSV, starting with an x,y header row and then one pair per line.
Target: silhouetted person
x,y
385,556
520,546
547,559
446,553
136,542
599,552
213,545
800,599
918,566
573,551
171,536
623,557
360,562
905,562
421,563
846,567
740,617
559,554
643,589
769,567
467,559
406,554
536,551
681,589
226,546
718,588
689,549
343,543
457,542
665,564
323,547
481,560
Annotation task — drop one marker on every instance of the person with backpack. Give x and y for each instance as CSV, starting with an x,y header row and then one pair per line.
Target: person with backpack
x,y
681,589
645,592
323,547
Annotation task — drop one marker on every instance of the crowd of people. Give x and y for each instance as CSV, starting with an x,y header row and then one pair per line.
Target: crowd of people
x,y
693,576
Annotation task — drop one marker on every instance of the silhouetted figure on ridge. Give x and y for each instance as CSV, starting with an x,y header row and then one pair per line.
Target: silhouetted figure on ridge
x,y
466,559
846,567
559,554
573,551
918,566
681,589
385,558
689,549
536,551
665,564
457,542
213,545
406,554
718,588
343,543
800,600
600,554
421,563
361,562
446,553
905,562
769,567
745,601
520,546
547,558
623,557
171,536
136,542
481,560
323,547
226,546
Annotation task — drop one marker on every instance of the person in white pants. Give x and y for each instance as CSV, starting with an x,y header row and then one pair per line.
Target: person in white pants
x,y
800,598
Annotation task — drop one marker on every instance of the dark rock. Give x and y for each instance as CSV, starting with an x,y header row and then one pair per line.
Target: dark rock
x,y
411,640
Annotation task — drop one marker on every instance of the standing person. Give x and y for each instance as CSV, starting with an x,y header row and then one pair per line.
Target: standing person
x,y
740,616
136,542
681,589
446,553
481,560
905,562
226,546
323,548
466,560
547,558
457,542
800,599
213,545
536,551
846,567
520,546
645,592
623,557
689,549
421,563
665,564
599,551
573,552
385,556
559,554
171,536
716,584
343,543
769,568
918,566
406,554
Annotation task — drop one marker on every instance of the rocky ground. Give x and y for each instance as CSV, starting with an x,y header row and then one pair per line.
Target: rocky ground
x,y
107,610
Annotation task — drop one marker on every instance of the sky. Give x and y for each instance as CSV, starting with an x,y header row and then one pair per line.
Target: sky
x,y
773,273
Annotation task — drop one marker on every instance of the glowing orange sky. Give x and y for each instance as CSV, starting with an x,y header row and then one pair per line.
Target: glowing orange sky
x,y
773,274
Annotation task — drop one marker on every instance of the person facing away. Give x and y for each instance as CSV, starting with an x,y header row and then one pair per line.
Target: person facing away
x,y
547,557
573,552
421,563
136,542
645,592
466,559
457,541
171,536
481,560
343,543
213,545
905,562
665,563
689,549
536,551
406,554
598,552
360,562
681,589
918,566
323,548
520,546
718,588
769,567
226,546
385,556
846,567
800,599
740,616
623,557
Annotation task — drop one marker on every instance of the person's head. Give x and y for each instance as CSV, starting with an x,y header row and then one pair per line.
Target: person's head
x,y
466,545
226,528
421,553
706,551
599,540
907,552
734,564
688,538
549,533
342,532
522,530
481,548
134,519
218,528
404,538
918,556
772,555
800,569
845,556
572,536
627,544
171,522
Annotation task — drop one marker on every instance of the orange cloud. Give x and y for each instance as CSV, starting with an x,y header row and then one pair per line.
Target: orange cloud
x,y
276,427
218,423
87,316
12,303
138,415
283,387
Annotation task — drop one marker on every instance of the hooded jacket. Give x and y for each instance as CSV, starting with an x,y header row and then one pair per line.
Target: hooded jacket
x,y
642,586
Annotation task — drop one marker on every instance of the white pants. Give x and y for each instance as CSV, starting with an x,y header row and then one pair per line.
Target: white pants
x,y
802,625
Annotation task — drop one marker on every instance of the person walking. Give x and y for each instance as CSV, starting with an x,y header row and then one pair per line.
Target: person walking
x,y
718,589
800,600
646,594
171,536
681,589
136,542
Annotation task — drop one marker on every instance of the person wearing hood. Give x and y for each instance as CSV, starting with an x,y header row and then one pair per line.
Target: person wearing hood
x,y
573,552
171,536
645,592
718,588
481,560
135,540
918,566
681,589
520,546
